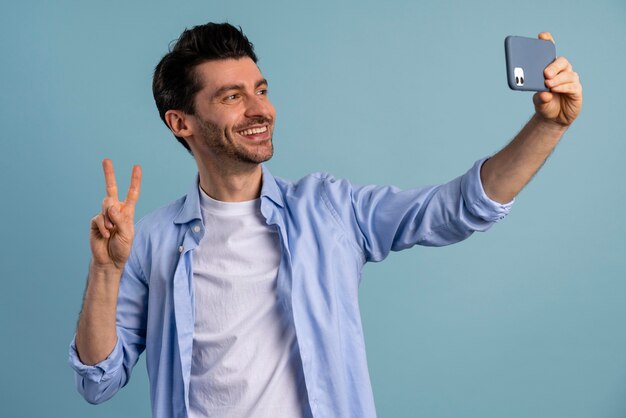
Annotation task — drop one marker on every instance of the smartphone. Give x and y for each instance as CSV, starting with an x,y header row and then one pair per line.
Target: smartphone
x,y
526,59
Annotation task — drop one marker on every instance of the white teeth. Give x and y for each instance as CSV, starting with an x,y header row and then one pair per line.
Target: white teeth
x,y
253,131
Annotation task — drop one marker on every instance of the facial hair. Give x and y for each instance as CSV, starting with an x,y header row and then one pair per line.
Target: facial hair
x,y
222,144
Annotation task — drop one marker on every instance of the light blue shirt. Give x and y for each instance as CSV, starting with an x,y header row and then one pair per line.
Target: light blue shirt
x,y
328,228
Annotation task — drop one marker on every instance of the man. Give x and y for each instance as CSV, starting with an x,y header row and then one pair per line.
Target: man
x,y
244,293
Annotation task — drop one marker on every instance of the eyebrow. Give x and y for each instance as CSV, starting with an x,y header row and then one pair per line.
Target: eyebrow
x,y
229,87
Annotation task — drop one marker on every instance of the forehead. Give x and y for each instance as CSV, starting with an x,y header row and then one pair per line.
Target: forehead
x,y
220,73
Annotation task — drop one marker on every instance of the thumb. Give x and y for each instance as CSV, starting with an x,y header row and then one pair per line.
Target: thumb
x,y
118,219
121,222
546,36
113,212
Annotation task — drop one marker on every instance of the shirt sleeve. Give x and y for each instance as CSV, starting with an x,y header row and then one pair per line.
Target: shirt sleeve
x,y
385,218
98,383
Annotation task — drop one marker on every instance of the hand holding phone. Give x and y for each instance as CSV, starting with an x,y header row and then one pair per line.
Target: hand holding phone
x,y
526,60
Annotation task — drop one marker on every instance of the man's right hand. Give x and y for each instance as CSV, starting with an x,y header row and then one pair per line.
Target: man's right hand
x,y
113,230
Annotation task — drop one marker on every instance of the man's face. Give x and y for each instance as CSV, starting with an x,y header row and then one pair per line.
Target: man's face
x,y
234,116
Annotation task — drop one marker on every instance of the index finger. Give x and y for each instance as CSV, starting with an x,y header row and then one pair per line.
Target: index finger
x,y
109,178
135,186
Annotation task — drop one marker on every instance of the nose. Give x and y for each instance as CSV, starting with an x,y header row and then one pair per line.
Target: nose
x,y
259,106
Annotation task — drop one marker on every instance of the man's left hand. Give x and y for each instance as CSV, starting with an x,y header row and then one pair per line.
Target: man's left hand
x,y
562,104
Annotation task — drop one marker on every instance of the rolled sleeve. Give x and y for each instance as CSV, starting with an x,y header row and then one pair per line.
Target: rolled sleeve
x,y
100,372
477,201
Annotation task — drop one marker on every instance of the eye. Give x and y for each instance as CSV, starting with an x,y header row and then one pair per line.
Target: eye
x,y
262,92
231,97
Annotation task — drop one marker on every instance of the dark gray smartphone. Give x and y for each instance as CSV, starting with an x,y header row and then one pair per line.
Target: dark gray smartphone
x,y
526,59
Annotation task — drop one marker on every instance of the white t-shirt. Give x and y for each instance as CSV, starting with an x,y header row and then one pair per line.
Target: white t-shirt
x,y
245,357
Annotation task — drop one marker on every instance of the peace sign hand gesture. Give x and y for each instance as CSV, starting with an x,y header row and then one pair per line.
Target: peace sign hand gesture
x,y
113,230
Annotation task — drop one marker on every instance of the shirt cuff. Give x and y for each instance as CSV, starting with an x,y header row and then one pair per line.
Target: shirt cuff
x,y
477,201
99,372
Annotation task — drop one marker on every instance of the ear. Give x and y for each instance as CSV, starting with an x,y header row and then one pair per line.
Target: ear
x,y
179,123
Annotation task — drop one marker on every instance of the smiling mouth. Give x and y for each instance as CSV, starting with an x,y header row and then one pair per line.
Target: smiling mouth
x,y
253,131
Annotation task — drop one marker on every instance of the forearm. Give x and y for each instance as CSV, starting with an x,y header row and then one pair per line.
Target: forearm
x,y
506,173
96,334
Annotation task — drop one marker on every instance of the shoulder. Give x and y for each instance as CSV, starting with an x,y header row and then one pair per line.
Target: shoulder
x,y
156,234
320,193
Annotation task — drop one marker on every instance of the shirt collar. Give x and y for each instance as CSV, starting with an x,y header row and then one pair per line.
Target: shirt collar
x,y
270,188
191,207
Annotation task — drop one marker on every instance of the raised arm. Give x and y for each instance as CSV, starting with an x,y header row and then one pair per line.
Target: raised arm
x,y
111,238
506,173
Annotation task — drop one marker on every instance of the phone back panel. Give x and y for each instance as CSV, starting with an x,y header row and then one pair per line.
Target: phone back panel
x,y
526,59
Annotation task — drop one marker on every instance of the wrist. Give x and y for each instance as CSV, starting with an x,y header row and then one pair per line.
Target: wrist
x,y
103,285
105,268
549,124
105,277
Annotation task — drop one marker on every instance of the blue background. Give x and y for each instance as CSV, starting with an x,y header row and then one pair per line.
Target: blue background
x,y
523,321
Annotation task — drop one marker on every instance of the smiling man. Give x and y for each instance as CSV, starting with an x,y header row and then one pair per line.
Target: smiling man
x,y
244,292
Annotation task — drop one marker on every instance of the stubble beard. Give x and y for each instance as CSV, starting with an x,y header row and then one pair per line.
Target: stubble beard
x,y
221,144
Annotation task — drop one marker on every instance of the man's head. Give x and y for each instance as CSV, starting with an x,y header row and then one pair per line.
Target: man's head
x,y
210,93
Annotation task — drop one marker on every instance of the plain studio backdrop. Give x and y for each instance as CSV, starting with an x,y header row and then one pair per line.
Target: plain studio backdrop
x,y
525,320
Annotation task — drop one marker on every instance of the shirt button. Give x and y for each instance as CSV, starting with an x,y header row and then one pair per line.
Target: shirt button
x,y
196,229
180,249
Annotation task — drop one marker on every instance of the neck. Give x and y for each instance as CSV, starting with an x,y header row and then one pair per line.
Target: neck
x,y
231,183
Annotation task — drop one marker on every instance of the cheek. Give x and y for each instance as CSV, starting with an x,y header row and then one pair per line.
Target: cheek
x,y
226,126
